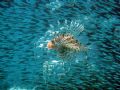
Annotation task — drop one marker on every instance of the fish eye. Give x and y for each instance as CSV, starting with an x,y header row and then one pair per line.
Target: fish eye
x,y
52,41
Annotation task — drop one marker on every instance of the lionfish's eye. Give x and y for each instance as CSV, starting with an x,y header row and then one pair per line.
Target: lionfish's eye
x,y
52,41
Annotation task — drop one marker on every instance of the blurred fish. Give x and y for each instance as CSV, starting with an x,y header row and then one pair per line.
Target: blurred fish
x,y
66,43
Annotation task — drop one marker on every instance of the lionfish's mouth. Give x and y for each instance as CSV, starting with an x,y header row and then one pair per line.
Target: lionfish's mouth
x,y
50,45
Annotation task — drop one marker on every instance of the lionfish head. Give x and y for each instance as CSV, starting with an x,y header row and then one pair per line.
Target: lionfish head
x,y
50,45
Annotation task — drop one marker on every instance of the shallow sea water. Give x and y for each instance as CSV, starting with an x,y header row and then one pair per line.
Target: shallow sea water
x,y
27,25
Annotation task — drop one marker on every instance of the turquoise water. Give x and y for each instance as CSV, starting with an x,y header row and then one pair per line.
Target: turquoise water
x,y
27,25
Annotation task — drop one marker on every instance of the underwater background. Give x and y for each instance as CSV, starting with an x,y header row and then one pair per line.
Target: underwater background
x,y
27,25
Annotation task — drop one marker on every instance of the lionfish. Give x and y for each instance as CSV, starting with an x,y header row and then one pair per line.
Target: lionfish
x,y
66,43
